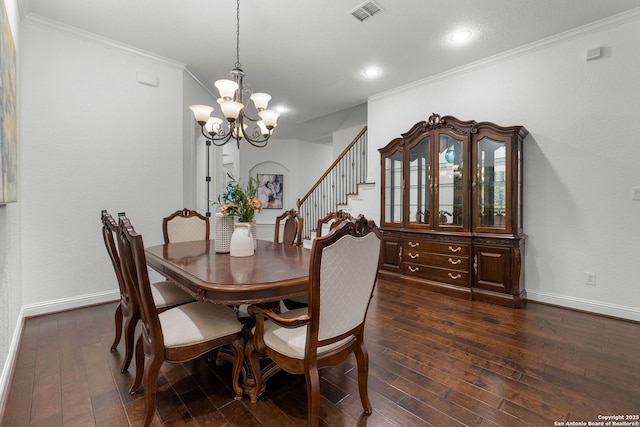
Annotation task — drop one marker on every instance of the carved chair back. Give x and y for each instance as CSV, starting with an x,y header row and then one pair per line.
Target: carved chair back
x,y
292,230
185,225
330,221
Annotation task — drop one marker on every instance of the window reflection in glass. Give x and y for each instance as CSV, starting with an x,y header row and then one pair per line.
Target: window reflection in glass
x,y
419,180
393,188
491,183
450,179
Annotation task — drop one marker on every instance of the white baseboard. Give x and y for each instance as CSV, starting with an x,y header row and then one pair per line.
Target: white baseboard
x,y
9,363
70,303
614,310
36,310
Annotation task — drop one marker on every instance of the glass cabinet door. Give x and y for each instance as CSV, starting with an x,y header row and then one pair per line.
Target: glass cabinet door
x,y
491,185
420,182
451,193
393,188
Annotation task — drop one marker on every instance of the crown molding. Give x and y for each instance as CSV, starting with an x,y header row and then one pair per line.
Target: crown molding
x,y
42,22
199,82
612,21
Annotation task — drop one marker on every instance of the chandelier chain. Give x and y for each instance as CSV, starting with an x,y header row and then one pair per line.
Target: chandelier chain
x,y
238,34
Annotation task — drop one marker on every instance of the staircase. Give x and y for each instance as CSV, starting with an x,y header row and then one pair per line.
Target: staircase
x,y
334,188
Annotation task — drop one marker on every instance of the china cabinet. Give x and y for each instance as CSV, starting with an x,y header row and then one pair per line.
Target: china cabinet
x,y
451,209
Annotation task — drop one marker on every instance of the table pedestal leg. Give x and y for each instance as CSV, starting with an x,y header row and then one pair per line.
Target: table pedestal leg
x,y
268,368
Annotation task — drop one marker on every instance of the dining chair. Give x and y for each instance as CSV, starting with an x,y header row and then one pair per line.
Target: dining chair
x,y
291,230
185,225
291,235
166,294
176,335
331,220
342,275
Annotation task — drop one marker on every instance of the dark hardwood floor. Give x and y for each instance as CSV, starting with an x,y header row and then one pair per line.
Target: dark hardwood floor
x,y
434,360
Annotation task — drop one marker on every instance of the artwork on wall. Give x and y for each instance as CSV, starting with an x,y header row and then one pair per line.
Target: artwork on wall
x,y
8,121
270,190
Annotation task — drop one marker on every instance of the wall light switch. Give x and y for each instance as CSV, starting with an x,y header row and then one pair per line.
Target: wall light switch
x,y
635,193
590,278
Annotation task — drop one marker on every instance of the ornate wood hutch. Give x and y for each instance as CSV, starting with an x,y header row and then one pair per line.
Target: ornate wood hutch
x,y
451,211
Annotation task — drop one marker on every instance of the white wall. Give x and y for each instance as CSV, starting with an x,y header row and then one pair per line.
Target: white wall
x,y
10,250
92,138
352,125
581,159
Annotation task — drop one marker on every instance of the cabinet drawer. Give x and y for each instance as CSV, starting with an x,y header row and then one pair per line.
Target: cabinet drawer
x,y
460,263
453,248
443,275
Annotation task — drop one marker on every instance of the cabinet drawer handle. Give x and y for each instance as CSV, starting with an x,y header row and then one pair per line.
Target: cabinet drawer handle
x,y
456,262
414,245
413,270
458,249
456,277
413,256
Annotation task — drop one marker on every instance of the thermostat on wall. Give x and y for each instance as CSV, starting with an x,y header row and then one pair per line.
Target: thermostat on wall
x,y
594,53
147,78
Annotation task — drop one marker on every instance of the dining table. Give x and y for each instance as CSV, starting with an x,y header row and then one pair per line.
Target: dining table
x,y
276,271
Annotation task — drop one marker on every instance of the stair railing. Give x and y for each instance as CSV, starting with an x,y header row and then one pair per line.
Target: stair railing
x,y
333,188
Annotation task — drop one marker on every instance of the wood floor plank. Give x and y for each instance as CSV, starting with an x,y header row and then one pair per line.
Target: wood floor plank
x,y
17,411
433,360
203,412
47,398
77,409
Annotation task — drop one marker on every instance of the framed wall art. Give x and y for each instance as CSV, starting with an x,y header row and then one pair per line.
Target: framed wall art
x,y
8,114
270,190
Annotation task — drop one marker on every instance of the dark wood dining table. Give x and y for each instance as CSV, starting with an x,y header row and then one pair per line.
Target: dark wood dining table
x,y
276,271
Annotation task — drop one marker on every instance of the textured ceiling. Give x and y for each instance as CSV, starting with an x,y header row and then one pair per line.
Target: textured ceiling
x,y
309,55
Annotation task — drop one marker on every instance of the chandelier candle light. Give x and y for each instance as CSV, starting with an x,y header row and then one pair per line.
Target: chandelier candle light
x,y
234,110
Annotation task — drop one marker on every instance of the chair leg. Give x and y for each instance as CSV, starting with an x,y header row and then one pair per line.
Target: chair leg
x,y
313,396
362,359
238,361
254,370
151,372
129,339
118,322
139,366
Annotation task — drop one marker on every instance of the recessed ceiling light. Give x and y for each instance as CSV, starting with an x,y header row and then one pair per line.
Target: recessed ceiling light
x,y
461,36
371,72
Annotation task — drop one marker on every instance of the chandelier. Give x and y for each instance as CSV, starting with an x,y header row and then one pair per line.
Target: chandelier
x,y
231,102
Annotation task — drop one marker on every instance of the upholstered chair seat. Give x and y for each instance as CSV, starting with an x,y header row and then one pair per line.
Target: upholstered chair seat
x,y
197,322
167,294
291,341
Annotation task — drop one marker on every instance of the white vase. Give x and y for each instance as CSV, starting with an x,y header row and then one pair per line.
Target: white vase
x,y
241,240
223,230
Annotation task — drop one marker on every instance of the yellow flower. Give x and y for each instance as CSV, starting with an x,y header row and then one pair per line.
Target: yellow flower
x,y
228,208
255,203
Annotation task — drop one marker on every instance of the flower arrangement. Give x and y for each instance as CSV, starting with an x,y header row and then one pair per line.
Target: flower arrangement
x,y
241,202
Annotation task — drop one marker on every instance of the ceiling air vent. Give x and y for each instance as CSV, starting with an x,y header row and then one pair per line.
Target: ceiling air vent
x,y
366,10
